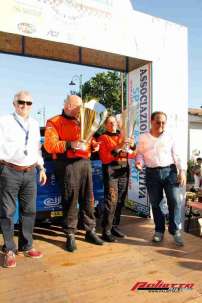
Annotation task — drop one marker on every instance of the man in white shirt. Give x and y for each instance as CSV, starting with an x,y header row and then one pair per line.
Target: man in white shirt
x,y
20,154
165,171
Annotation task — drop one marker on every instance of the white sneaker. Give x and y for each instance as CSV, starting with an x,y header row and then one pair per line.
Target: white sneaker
x,y
157,237
178,238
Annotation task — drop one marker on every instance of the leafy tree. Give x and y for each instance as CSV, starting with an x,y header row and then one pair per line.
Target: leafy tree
x,y
106,88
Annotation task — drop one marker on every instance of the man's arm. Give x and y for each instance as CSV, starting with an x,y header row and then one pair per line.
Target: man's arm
x,y
180,163
95,145
110,145
52,143
40,161
139,159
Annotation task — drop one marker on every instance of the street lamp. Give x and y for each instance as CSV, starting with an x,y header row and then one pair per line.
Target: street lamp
x,y
42,112
79,78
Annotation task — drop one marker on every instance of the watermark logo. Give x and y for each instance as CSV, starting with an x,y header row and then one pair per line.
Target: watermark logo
x,y
161,286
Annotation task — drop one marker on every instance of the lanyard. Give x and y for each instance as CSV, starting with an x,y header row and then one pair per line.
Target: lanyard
x,y
26,133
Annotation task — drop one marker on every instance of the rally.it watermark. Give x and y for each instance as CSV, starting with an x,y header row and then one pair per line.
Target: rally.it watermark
x,y
161,286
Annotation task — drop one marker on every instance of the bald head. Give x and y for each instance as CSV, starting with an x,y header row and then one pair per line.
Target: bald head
x,y
72,105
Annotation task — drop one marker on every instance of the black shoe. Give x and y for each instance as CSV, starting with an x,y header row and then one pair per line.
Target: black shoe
x,y
80,226
3,248
117,233
92,237
108,237
71,243
157,237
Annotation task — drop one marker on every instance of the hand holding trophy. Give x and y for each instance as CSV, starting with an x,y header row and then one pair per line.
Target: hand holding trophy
x,y
92,116
127,121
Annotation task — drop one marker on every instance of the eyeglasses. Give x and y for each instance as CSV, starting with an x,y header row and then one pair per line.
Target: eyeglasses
x,y
22,102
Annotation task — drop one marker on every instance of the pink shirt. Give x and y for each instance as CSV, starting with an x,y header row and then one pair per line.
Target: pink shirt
x,y
159,151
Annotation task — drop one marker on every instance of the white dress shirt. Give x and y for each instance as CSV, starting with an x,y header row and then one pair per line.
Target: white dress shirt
x,y
12,141
159,151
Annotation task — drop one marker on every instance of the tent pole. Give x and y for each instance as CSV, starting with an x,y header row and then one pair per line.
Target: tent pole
x,y
122,97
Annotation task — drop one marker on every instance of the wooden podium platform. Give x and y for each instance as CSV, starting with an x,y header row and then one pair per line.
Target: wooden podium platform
x,y
104,274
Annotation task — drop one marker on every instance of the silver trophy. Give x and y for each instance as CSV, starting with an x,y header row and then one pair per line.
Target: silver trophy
x,y
127,121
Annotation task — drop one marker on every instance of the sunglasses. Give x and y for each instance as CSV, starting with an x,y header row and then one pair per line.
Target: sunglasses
x,y
22,102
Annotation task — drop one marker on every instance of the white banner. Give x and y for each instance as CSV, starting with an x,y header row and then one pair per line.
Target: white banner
x,y
139,91
86,23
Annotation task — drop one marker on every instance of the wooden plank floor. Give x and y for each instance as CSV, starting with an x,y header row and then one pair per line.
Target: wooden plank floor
x,y
104,274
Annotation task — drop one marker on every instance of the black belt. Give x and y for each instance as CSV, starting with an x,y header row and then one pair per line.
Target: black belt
x,y
161,167
117,164
71,160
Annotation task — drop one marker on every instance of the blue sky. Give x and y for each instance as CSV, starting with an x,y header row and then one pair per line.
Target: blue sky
x,y
188,13
48,80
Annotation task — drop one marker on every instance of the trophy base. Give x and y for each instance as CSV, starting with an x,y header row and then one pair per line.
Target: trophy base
x,y
82,145
128,151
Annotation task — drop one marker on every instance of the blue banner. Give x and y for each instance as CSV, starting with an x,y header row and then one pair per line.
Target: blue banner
x,y
48,196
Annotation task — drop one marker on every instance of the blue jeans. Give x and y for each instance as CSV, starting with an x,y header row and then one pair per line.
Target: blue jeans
x,y
157,180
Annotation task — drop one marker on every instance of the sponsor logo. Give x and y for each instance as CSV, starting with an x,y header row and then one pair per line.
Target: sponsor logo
x,y
161,286
53,33
52,180
26,28
52,202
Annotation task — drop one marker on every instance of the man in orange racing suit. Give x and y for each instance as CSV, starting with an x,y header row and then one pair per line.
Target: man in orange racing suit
x,y
73,170
115,175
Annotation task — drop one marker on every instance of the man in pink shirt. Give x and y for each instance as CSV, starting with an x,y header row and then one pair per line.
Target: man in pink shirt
x,y
165,171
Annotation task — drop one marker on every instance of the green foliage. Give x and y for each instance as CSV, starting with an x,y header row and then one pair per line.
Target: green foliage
x,y
106,88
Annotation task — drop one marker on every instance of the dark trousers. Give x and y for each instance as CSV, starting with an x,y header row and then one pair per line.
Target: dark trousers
x,y
157,180
115,192
79,189
22,186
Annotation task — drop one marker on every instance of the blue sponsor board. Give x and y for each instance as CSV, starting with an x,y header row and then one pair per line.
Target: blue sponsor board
x,y
48,196
98,187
